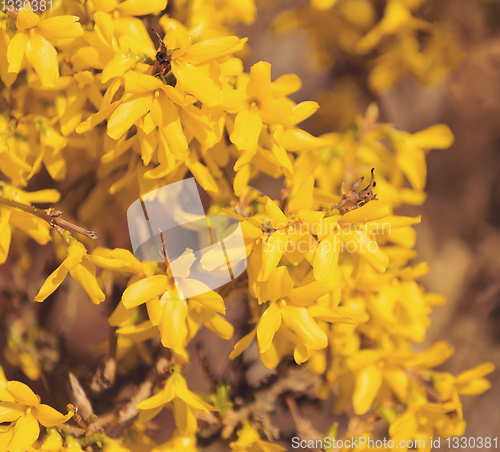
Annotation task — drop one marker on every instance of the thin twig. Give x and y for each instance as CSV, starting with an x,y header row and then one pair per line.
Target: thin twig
x,y
51,216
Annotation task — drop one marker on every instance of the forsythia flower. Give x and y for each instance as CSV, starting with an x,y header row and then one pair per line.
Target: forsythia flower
x,y
183,401
78,265
22,409
32,41
176,318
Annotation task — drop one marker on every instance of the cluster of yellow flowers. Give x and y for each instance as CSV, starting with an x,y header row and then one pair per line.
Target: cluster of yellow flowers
x,y
350,29
88,100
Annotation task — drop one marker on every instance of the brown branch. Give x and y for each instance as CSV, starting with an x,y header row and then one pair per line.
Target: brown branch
x,y
296,381
303,427
51,216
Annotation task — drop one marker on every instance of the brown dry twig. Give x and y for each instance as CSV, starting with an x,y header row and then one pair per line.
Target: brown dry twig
x,y
296,381
51,216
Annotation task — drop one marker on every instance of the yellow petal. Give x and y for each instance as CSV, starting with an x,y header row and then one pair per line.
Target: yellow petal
x,y
197,83
184,418
300,354
26,432
165,116
269,323
286,85
172,326
259,84
301,323
201,173
15,51
213,48
22,393
118,66
279,284
368,382
246,132
117,259
273,249
435,355
96,118
323,5
211,300
412,162
397,379
217,324
311,218
11,411
75,251
305,295
243,344
158,400
60,27
43,57
298,140
122,315
476,372
392,221
85,275
303,195
326,258
144,290
241,179
277,218
26,19
358,242
474,387
372,210
53,281
5,236
48,416
141,8
183,393
140,83
438,136
127,113
272,357
138,333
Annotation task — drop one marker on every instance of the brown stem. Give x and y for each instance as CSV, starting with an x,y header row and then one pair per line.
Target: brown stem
x,y
51,216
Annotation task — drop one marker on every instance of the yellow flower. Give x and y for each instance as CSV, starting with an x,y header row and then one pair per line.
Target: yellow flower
x,y
192,64
292,311
32,41
259,102
411,150
22,409
249,440
209,18
183,400
79,266
397,17
176,318
149,99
